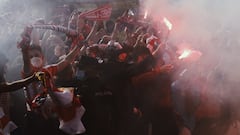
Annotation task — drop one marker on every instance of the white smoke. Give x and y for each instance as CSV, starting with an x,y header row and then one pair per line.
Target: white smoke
x,y
211,26
14,16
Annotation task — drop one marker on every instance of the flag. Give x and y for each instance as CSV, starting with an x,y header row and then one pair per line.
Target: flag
x,y
6,125
101,13
58,28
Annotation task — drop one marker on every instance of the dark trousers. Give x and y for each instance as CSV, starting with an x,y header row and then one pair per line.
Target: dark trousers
x,y
35,124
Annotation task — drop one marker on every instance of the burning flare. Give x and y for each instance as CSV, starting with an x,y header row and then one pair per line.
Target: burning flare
x,y
191,55
185,54
145,14
167,23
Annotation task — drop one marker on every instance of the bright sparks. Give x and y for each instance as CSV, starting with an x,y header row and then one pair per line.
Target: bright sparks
x,y
167,23
185,54
145,14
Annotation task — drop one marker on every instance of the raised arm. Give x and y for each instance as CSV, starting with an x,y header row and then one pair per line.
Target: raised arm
x,y
16,85
92,32
24,45
115,29
71,55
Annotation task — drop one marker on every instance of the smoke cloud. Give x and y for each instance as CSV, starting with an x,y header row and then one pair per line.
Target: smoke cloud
x,y
211,26
14,16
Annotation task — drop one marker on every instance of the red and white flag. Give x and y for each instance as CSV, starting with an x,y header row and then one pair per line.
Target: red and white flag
x,y
101,13
6,125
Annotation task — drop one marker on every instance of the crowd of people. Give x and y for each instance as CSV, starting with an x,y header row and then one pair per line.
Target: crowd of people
x,y
115,77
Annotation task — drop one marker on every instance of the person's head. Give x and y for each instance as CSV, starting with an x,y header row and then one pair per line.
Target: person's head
x,y
140,53
59,50
93,51
3,62
55,39
110,26
36,56
72,23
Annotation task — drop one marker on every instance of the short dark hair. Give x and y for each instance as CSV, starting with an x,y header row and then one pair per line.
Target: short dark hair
x,y
35,47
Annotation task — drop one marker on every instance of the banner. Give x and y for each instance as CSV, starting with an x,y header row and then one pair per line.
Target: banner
x,y
57,28
101,13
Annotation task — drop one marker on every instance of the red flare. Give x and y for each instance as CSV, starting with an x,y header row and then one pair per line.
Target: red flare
x,y
167,23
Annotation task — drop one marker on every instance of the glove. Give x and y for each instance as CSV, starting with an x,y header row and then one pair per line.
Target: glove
x,y
41,76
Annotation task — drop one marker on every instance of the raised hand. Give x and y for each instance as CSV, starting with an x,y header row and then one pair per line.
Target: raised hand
x,y
25,37
43,77
40,76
